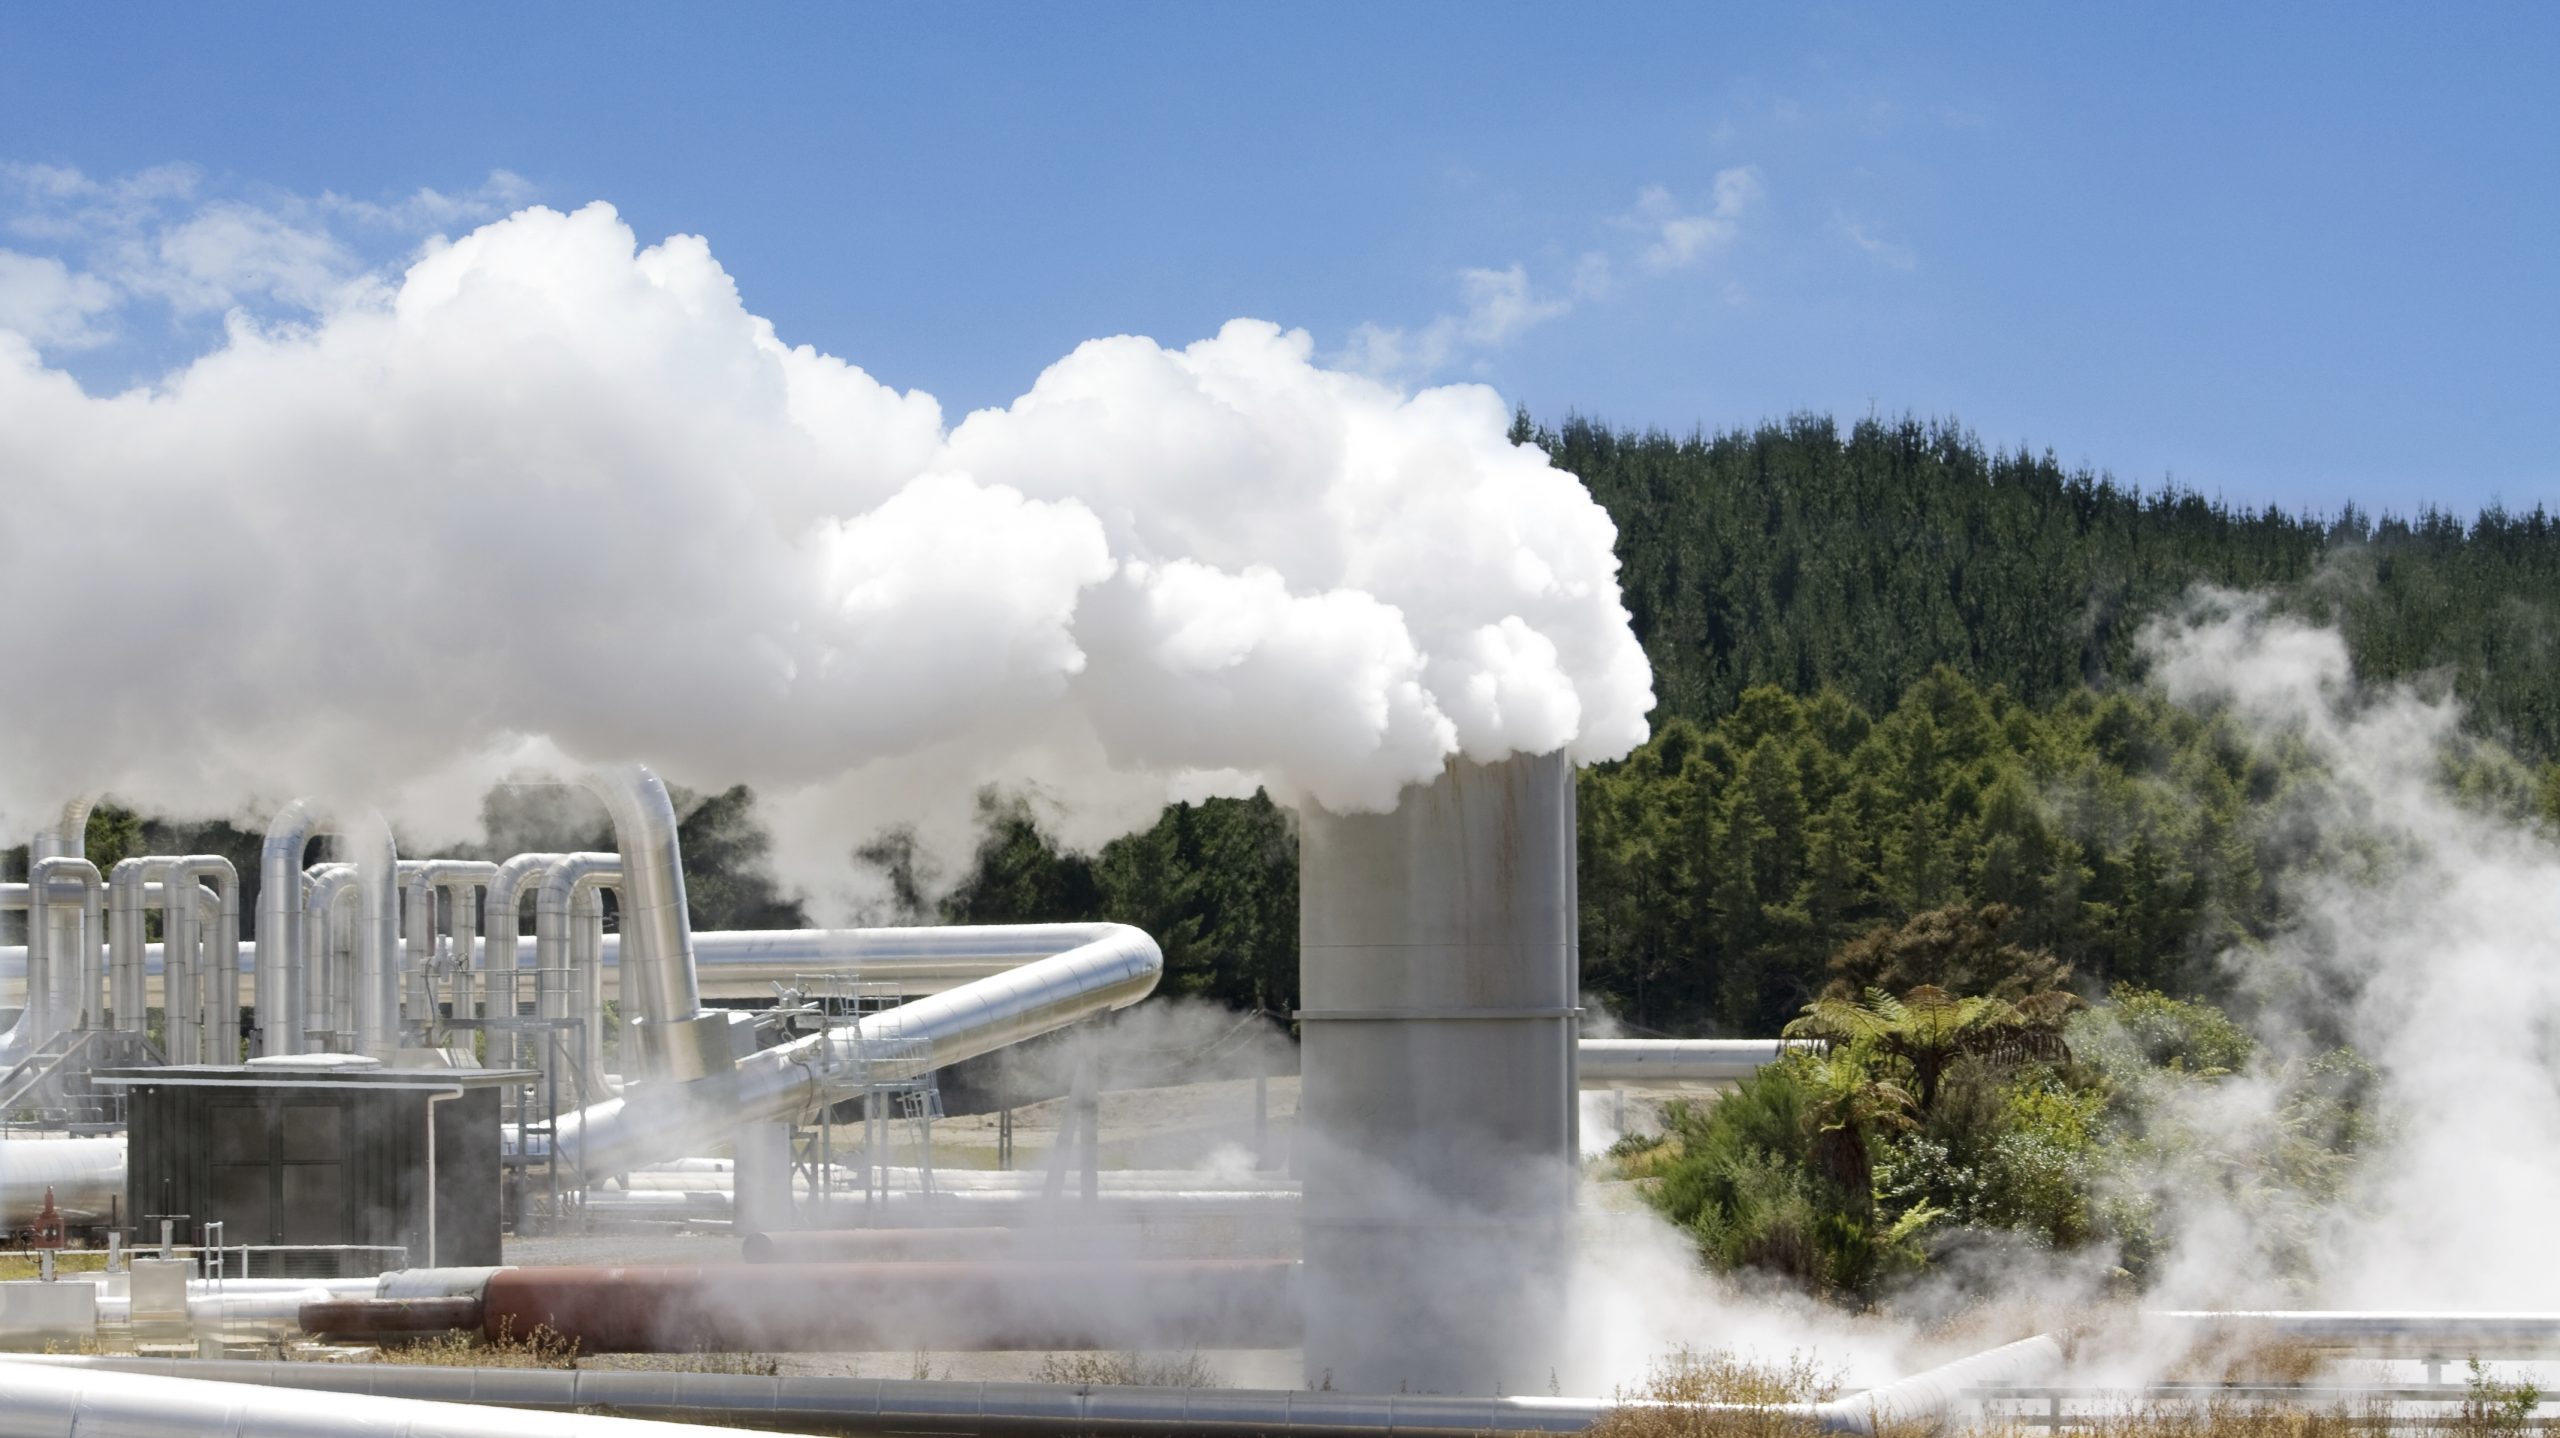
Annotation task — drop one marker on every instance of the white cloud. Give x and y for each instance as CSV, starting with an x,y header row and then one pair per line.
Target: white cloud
x,y
50,304
1876,247
1679,238
1500,305
167,235
229,255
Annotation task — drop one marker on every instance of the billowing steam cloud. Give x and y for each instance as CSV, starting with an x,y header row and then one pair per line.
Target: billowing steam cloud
x,y
553,497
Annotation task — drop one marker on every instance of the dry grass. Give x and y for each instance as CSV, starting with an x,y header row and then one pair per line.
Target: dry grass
x,y
66,1260
2260,1359
1128,1370
542,1348
1720,1394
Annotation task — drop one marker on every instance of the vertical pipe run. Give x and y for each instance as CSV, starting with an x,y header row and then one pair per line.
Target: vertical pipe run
x,y
463,881
586,965
1436,953
675,1038
281,984
281,1019
73,949
507,888
127,932
565,984
459,880
377,942
181,1011
328,1001
200,966
49,935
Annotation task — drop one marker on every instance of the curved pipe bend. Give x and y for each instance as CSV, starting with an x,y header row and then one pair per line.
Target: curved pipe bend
x,y
281,1020
1092,968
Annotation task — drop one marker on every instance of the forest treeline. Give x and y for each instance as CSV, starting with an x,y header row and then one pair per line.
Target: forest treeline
x,y
1797,556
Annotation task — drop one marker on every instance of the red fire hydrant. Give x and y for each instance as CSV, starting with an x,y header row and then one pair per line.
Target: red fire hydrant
x,y
48,1232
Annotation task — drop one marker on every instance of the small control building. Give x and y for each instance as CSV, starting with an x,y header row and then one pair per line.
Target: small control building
x,y
321,1154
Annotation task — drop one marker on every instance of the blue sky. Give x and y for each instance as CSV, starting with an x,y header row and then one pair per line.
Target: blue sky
x,y
2293,255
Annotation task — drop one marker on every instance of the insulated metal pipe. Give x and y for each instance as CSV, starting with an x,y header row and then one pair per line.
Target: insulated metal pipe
x,y
47,935
39,1400
1058,1410
199,1020
84,1175
674,1037
328,1005
586,968
281,1022
1099,967
126,928
207,906
2408,1334
73,948
377,942
1633,1063
462,880
899,1405
19,1041
181,968
458,880
417,942
508,885
567,992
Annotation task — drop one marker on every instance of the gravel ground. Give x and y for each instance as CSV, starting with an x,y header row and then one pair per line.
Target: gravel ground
x,y
1189,1126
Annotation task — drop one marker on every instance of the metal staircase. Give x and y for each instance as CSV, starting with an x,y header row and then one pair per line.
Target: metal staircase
x,y
862,1057
54,1086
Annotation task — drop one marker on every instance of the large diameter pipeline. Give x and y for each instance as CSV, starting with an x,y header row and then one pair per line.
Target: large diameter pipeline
x,y
84,1175
897,1307
1103,966
40,1400
378,1318
1217,1235
1920,1403
906,1406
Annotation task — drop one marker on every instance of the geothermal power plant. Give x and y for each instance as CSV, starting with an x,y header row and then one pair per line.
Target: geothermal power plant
x,y
430,1112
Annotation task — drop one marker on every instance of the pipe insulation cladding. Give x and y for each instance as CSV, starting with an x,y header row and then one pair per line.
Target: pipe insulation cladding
x,y
1438,971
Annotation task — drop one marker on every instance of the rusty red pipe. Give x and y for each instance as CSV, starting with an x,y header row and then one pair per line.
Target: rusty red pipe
x,y
389,1317
896,1307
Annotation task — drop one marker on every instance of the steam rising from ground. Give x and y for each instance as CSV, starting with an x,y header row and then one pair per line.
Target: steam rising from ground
x,y
2425,936
2429,937
554,498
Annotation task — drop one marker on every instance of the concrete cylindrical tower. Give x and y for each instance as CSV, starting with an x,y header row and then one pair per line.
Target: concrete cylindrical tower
x,y
1439,976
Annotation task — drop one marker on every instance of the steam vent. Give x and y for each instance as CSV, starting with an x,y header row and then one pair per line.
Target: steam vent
x,y
1439,973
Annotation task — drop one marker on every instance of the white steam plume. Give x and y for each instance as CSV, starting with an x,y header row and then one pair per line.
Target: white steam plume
x,y
2431,924
552,496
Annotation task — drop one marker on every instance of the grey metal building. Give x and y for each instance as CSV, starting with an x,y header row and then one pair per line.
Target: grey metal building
x,y
289,1155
